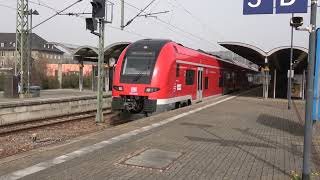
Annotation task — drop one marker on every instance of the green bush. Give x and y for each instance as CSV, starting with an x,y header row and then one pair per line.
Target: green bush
x,y
49,83
87,82
70,81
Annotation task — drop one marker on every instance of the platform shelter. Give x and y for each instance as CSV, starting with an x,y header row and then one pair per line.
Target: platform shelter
x,y
89,54
274,65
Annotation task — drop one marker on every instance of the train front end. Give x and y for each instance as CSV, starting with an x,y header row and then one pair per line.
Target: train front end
x,y
136,84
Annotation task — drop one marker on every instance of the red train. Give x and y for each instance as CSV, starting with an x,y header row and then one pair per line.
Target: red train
x,y
161,75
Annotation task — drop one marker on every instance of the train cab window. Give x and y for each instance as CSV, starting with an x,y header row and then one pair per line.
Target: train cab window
x,y
178,70
190,77
206,83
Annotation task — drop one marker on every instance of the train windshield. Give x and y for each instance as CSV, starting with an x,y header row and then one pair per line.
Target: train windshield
x,y
139,63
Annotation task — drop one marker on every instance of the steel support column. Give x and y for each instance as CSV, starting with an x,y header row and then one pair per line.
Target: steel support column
x,y
81,76
274,83
310,86
22,31
99,116
60,75
304,85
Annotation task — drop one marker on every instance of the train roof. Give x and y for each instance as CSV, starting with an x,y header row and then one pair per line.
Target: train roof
x,y
165,41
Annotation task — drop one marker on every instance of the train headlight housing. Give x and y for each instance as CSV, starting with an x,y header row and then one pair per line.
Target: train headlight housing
x,y
151,90
118,88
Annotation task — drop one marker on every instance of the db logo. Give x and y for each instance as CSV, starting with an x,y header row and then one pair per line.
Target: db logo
x,y
282,6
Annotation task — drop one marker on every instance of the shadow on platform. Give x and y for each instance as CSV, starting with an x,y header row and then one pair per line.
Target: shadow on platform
x,y
287,125
231,143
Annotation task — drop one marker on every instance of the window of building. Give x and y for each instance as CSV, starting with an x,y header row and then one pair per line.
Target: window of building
x,y
44,46
178,70
13,44
3,53
190,77
206,83
2,44
13,53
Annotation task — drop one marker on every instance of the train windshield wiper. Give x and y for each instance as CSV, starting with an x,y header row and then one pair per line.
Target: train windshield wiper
x,y
138,77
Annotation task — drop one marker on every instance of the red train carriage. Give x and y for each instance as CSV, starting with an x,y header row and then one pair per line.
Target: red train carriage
x,y
160,75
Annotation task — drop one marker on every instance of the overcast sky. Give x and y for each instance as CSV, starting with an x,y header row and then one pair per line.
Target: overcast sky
x,y
201,24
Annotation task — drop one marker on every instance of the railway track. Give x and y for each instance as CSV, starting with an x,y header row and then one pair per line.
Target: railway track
x,y
16,127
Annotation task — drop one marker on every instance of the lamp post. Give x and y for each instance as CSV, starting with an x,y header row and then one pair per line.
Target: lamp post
x,y
30,13
290,70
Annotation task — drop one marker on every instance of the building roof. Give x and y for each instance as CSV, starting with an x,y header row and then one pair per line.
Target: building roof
x,y
8,41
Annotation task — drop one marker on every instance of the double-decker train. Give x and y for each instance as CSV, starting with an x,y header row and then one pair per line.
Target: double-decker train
x,y
159,75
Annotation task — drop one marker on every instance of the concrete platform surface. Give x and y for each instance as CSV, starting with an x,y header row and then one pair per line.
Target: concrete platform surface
x,y
223,138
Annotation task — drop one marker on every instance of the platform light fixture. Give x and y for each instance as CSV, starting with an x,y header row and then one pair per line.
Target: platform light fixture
x,y
296,22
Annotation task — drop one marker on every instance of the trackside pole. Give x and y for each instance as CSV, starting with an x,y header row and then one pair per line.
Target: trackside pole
x,y
309,101
99,117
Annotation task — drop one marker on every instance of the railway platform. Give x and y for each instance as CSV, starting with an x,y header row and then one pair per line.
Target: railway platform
x,y
51,103
48,95
228,137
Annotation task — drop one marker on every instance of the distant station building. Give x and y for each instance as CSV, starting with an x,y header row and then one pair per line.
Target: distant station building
x,y
41,49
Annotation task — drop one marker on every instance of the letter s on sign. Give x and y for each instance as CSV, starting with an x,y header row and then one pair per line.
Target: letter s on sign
x,y
255,5
283,3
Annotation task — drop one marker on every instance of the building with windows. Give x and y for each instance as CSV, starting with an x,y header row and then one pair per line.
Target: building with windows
x,y
41,50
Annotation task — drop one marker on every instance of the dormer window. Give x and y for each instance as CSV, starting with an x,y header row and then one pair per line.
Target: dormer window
x,y
44,46
2,44
14,44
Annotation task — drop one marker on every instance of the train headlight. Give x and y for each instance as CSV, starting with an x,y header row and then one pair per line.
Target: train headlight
x,y
151,90
118,88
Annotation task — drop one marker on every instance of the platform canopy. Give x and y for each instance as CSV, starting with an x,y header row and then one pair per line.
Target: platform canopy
x,y
278,58
90,54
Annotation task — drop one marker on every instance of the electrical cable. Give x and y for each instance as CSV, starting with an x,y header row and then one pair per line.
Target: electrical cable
x,y
196,18
6,6
56,14
175,27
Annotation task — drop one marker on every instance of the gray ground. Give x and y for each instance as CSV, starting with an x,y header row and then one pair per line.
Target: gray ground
x,y
244,138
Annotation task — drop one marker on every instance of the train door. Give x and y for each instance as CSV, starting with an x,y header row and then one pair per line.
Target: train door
x,y
200,84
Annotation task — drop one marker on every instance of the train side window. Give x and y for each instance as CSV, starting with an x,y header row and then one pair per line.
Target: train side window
x,y
190,77
206,83
178,70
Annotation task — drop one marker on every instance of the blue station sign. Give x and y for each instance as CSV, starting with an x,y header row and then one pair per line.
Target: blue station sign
x,y
316,97
257,7
281,6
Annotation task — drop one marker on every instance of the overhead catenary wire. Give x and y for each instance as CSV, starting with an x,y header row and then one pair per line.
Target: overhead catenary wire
x,y
43,5
177,28
78,1
141,11
196,18
9,7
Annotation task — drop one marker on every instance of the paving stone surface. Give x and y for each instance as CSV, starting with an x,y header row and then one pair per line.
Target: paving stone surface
x,y
244,138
